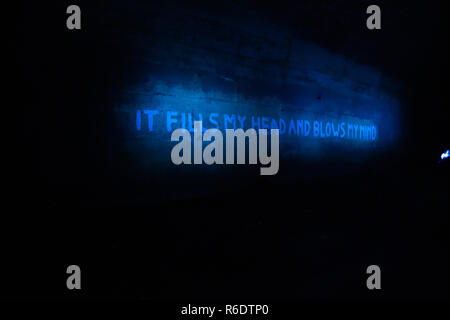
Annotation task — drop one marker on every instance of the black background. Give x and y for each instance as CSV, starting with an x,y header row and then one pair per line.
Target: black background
x,y
297,240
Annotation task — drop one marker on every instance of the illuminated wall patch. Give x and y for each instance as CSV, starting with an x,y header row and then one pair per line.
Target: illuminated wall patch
x,y
325,106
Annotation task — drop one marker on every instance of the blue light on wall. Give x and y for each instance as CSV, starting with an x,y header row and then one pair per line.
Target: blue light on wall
x,y
326,107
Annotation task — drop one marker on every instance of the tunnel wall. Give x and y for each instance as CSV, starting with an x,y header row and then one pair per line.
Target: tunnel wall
x,y
242,71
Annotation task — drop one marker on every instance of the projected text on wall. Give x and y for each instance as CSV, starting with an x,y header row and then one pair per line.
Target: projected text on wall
x,y
323,127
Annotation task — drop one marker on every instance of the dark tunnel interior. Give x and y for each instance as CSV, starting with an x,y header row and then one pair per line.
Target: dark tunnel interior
x,y
96,191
